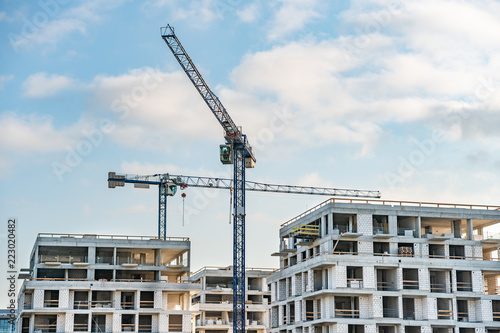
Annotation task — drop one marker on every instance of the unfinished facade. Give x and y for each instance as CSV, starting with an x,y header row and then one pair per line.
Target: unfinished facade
x,y
214,303
388,267
91,283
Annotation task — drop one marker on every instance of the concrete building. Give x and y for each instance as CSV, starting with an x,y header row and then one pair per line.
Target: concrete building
x,y
390,267
93,283
214,303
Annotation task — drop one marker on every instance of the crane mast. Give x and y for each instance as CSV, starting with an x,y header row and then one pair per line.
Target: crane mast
x,y
242,157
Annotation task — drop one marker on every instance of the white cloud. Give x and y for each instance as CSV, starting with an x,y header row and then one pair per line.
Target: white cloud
x,y
143,169
292,16
139,168
154,109
32,134
44,85
249,13
197,13
61,22
4,79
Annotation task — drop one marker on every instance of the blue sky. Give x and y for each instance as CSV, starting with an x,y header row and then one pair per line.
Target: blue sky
x,y
397,96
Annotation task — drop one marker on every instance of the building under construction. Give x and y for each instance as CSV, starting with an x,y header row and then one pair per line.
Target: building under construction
x,y
91,283
358,266
213,304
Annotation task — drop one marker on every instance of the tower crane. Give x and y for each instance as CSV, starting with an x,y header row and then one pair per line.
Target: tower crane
x,y
169,183
236,151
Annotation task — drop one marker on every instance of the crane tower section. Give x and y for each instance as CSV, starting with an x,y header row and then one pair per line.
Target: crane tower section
x,y
238,148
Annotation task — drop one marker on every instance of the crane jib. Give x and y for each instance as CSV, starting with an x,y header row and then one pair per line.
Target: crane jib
x,y
233,134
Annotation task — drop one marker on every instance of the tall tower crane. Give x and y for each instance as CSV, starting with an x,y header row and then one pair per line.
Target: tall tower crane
x,y
169,183
236,151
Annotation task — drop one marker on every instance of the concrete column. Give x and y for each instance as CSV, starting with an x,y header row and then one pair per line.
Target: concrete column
x,y
453,280
424,282
324,227
91,255
32,323
393,248
157,299
64,298
392,220
117,299
470,229
477,281
298,315
341,276
418,227
68,325
38,298
369,277
109,322
377,306
431,308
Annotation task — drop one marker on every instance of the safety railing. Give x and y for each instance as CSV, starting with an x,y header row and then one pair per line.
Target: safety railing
x,y
445,314
464,286
57,235
83,327
390,313
354,283
102,304
128,327
146,304
45,327
81,305
63,259
347,313
144,328
127,305
408,315
462,316
103,260
51,303
440,288
385,285
211,322
410,284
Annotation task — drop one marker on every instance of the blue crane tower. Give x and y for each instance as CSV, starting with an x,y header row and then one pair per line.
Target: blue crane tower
x,y
236,151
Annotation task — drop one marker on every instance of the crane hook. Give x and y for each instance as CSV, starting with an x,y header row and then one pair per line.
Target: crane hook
x,y
183,195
